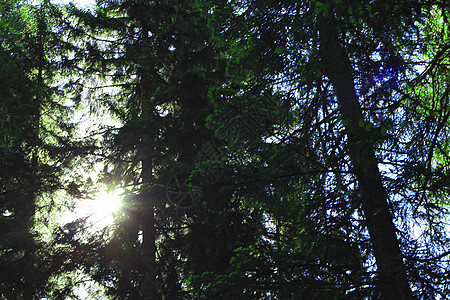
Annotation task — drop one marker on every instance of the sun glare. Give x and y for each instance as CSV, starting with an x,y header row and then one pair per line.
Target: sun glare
x,y
97,211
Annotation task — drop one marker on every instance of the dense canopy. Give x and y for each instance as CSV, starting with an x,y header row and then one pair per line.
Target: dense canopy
x,y
260,149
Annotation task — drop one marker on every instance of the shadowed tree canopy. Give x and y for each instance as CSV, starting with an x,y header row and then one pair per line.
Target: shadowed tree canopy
x,y
266,149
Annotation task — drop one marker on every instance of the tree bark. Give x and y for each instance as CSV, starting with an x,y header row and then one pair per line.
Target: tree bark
x,y
392,278
149,288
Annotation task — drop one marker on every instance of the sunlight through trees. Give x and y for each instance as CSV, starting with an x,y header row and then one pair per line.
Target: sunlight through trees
x,y
224,149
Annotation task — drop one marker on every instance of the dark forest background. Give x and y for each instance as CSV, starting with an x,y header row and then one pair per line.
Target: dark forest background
x,y
265,149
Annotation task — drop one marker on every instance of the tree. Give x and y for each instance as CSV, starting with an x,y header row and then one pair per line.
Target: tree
x,y
37,149
392,276
162,63
29,155
368,68
267,150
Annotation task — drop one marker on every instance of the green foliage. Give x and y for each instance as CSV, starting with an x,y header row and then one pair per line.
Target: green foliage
x,y
232,102
30,148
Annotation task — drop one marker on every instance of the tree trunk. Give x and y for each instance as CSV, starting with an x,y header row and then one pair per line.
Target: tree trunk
x,y
28,290
149,288
393,283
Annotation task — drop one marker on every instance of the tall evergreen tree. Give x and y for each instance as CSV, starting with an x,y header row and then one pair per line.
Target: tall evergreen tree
x,y
296,39
175,224
348,122
267,150
31,148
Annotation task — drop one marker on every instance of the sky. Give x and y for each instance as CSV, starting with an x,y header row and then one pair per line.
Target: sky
x,y
79,3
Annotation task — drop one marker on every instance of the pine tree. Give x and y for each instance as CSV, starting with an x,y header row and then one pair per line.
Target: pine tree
x,y
176,223
31,148
267,150
342,126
